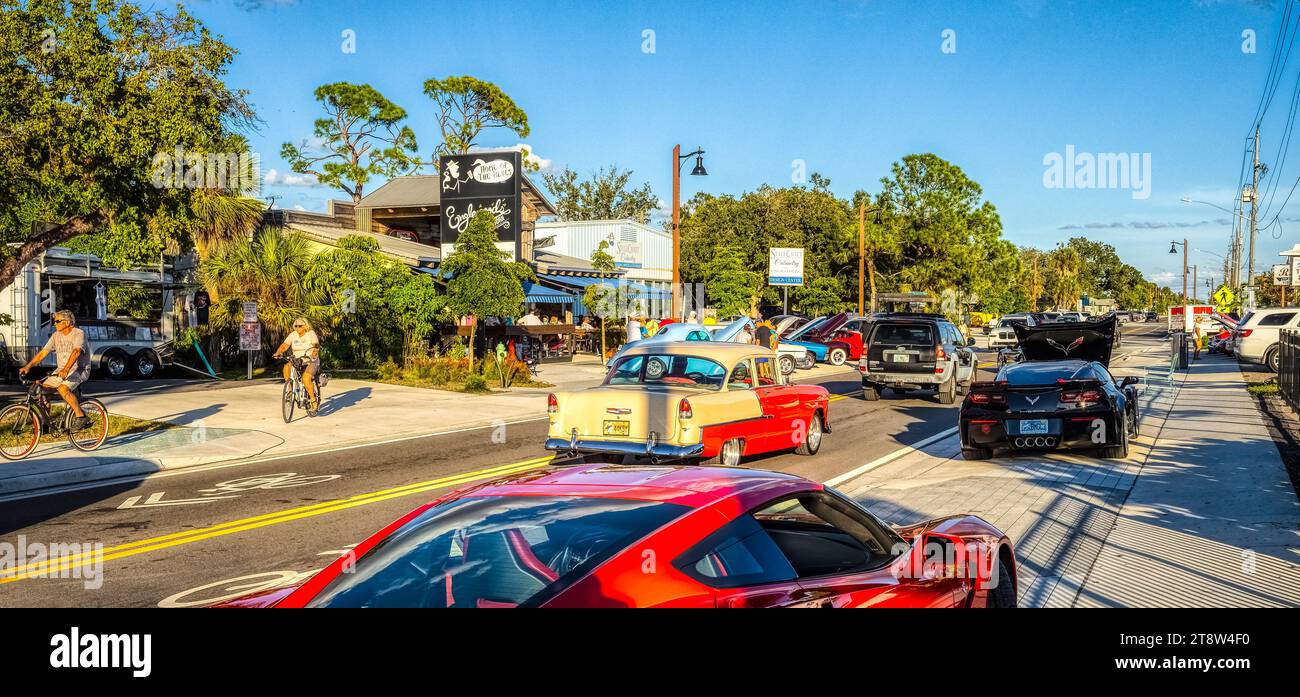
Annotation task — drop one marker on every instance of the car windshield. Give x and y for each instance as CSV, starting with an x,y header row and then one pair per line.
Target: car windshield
x,y
667,371
494,551
904,334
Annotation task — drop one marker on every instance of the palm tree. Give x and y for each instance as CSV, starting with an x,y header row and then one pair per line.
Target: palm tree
x,y
220,217
270,268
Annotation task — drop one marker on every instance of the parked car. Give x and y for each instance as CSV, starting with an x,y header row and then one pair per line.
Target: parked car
x,y
821,339
724,537
913,351
1061,396
708,400
677,331
1256,339
1004,334
1152,317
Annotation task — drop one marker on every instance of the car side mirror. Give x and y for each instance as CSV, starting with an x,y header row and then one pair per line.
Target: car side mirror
x,y
1128,380
970,341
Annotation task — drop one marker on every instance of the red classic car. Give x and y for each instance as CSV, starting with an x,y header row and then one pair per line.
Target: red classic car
x,y
600,535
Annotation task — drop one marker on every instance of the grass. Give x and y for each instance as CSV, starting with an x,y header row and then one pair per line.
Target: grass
x,y
118,425
1262,389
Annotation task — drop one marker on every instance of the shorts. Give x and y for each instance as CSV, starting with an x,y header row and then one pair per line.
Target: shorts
x,y
73,381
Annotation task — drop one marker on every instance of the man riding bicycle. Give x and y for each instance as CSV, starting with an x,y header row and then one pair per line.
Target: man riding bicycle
x,y
73,356
305,346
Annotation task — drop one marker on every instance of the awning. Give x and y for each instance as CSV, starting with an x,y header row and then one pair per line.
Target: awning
x,y
627,286
537,293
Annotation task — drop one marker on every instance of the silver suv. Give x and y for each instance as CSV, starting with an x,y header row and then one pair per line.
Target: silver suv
x,y
1004,332
1256,338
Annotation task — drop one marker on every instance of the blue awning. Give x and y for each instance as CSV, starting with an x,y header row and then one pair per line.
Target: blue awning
x,y
627,286
537,293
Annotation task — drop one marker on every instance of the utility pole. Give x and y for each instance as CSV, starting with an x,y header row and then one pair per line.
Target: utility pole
x,y
1194,282
677,237
1254,210
862,257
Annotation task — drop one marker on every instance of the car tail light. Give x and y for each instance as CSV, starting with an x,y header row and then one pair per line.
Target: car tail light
x,y
1244,333
1080,396
684,409
552,404
939,354
983,398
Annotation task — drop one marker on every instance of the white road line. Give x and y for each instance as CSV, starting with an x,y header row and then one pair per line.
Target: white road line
x,y
240,463
851,474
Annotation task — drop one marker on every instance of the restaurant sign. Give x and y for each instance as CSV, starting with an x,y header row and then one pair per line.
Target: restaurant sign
x,y
478,181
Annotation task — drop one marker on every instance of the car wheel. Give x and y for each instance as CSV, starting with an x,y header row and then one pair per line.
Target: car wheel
x,y
145,364
1004,594
871,393
1271,359
115,364
837,356
948,391
976,453
1119,451
808,361
728,455
787,365
812,441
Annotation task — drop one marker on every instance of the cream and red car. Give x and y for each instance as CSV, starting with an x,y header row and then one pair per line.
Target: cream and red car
x,y
690,400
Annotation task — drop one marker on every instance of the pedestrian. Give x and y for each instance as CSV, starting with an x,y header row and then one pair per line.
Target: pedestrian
x,y
763,334
1196,341
692,319
633,329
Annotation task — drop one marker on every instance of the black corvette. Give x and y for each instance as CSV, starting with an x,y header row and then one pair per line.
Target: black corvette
x,y
1059,397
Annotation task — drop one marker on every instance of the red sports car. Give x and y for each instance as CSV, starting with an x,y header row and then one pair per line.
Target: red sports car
x,y
660,536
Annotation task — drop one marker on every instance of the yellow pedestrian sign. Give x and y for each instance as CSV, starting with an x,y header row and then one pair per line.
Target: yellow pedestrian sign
x,y
1223,298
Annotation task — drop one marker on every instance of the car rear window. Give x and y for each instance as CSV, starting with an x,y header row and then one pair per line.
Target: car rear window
x,y
1044,373
1276,320
494,551
904,334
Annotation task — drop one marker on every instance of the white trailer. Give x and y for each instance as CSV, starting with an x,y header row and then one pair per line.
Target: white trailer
x,y
120,346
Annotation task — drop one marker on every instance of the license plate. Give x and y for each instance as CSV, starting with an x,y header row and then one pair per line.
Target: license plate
x,y
617,428
901,358
1033,427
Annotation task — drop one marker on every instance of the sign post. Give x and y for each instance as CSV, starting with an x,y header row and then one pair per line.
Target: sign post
x,y
250,334
785,268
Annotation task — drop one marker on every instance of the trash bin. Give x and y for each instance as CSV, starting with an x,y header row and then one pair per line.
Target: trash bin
x,y
1178,351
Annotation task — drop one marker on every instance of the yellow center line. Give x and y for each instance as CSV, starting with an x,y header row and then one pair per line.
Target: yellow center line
x,y
47,567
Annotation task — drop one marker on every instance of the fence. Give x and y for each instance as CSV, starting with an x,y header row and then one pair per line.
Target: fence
x,y
1288,367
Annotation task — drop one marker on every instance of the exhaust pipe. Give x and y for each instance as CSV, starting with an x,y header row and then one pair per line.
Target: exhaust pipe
x,y
1051,442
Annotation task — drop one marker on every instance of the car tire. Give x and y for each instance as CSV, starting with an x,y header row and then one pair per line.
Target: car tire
x,y
948,391
1119,451
871,393
1004,594
787,365
115,363
976,453
145,364
1271,359
809,360
729,454
837,356
812,441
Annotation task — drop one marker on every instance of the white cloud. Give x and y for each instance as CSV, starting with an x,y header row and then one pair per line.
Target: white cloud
x,y
1162,278
276,178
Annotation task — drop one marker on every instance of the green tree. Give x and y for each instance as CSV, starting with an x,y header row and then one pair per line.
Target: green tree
x,y
369,333
418,308
271,269
601,296
730,286
484,282
604,196
1064,284
466,107
93,91
361,137
822,296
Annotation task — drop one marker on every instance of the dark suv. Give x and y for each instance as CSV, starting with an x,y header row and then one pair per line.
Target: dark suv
x,y
910,351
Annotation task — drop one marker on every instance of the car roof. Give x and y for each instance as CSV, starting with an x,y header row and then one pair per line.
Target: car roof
x,y
725,350
691,485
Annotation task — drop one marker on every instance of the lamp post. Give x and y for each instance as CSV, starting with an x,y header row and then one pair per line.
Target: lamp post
x,y
862,255
1173,250
678,159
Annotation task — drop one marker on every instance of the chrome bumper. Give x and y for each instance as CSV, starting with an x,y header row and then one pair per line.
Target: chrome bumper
x,y
576,446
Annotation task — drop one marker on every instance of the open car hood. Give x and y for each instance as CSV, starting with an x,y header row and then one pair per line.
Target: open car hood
x,y
825,329
1085,341
731,331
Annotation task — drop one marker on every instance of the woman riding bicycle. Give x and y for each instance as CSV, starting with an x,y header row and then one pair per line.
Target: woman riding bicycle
x,y
305,347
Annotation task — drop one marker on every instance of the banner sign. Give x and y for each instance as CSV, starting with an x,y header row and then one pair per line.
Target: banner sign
x,y
250,336
785,266
487,181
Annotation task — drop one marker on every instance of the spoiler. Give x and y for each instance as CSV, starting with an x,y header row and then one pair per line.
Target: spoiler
x,y
1086,341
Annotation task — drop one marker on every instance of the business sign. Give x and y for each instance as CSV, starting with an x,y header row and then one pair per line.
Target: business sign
x,y
482,181
250,336
1295,270
785,266
1281,274
250,312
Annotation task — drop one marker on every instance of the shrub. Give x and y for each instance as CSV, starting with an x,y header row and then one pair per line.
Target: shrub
x,y
476,383
389,370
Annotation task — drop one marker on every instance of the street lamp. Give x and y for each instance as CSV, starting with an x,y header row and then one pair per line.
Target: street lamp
x,y
698,171
1173,249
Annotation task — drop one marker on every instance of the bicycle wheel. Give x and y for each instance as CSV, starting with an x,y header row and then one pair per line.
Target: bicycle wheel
x,y
20,432
95,431
286,402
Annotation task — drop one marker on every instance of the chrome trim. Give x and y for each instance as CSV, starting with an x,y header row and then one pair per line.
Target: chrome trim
x,y
635,448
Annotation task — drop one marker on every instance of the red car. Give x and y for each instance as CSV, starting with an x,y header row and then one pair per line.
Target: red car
x,y
660,536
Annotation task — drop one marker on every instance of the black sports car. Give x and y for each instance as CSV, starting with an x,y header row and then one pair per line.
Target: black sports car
x,y
1059,396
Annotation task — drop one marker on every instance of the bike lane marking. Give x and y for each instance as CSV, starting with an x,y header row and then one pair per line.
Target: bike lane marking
x,y
45,568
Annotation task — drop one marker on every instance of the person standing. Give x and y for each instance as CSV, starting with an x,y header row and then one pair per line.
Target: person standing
x,y
1196,341
763,334
633,329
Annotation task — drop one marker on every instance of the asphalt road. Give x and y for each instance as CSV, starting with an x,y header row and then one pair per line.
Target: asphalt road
x,y
196,535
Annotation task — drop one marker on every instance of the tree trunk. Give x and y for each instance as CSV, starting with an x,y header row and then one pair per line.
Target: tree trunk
x,y
38,243
871,275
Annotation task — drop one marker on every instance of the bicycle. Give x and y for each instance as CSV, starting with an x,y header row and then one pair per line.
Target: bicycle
x,y
295,392
23,424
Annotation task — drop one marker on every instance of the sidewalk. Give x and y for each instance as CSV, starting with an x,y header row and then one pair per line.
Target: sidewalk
x,y
1212,520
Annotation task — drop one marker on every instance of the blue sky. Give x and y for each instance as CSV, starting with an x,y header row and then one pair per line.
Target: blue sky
x,y
845,86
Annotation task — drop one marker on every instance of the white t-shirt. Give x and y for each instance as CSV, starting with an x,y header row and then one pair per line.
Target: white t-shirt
x,y
300,344
530,320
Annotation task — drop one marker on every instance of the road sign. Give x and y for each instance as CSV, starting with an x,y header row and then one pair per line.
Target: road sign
x,y
250,336
250,312
785,266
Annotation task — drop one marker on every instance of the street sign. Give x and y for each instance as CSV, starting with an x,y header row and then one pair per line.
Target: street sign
x,y
1223,298
785,266
250,312
250,336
